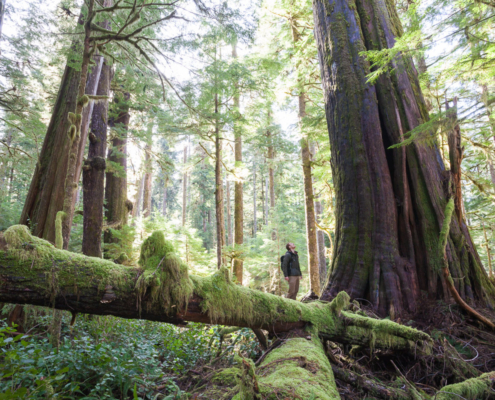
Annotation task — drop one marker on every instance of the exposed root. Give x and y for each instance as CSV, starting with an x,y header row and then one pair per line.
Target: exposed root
x,y
472,389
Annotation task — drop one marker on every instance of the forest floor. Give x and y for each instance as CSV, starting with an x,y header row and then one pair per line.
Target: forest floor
x,y
462,350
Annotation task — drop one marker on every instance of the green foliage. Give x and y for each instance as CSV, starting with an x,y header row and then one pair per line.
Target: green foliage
x,y
123,247
108,358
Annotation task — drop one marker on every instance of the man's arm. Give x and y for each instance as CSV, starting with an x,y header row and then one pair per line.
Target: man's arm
x,y
285,265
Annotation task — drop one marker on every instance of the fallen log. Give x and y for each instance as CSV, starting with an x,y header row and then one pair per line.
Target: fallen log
x,y
33,271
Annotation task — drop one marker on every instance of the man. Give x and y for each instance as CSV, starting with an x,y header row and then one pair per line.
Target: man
x,y
291,269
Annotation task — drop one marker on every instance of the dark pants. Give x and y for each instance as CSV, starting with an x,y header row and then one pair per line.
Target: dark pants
x,y
293,287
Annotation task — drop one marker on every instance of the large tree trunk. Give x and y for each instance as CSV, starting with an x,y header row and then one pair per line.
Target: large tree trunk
x,y
117,206
390,202
46,192
148,175
94,171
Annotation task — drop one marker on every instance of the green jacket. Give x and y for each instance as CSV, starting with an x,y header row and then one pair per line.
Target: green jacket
x,y
290,265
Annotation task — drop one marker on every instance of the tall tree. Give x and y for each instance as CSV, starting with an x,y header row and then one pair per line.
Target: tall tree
x,y
148,178
184,188
94,171
117,205
389,210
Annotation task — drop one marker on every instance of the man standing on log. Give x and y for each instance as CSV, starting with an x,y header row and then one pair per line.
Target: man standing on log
x,y
291,269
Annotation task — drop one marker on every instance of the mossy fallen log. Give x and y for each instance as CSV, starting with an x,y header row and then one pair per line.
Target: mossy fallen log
x,y
482,387
33,271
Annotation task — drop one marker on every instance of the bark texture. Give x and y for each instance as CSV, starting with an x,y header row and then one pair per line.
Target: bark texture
x,y
94,171
390,202
117,206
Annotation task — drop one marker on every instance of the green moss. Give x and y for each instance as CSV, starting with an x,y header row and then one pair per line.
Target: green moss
x,y
83,100
444,233
59,240
227,377
71,117
38,262
153,249
165,275
299,369
471,389
72,132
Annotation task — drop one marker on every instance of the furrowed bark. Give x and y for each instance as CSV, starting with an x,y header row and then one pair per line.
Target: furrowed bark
x,y
46,195
390,202
117,206
94,171
32,271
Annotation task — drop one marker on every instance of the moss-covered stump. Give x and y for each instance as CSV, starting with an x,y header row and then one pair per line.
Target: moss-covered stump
x,y
33,271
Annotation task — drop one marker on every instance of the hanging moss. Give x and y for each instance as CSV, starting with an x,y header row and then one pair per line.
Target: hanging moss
x,y
165,275
59,240
32,257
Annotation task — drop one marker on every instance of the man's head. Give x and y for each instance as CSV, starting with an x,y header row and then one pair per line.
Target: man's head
x,y
290,246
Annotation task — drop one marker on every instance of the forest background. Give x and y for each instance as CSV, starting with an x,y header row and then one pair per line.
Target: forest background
x,y
210,51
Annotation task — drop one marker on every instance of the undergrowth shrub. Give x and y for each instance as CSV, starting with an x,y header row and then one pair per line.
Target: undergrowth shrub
x,y
110,358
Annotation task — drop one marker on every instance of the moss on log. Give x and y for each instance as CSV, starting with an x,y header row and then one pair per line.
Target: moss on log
x,y
472,389
33,271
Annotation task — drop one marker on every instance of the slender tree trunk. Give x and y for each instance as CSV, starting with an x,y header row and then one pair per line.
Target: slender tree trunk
x,y
320,236
271,173
117,205
267,206
3,4
238,189
165,194
390,203
148,176
4,167
230,238
94,171
309,205
488,253
139,197
255,222
184,189
219,189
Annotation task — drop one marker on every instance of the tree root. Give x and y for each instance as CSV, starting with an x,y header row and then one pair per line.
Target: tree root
x,y
442,243
369,385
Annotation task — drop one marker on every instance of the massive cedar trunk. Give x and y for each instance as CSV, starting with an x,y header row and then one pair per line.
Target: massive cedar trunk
x,y
117,206
46,192
390,202
94,171
148,175
320,236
